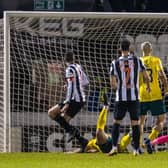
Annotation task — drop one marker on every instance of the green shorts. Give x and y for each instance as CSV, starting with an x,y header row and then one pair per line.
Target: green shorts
x,y
155,107
106,148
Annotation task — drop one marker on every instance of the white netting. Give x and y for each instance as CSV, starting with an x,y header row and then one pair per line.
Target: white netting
x,y
37,46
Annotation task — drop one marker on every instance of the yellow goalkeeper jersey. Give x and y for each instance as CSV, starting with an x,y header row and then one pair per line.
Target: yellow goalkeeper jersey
x,y
153,65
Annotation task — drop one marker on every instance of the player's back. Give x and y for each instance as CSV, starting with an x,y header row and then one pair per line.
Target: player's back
x,y
153,66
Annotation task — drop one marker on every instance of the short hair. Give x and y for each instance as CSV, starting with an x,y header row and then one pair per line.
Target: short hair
x,y
69,56
146,44
125,44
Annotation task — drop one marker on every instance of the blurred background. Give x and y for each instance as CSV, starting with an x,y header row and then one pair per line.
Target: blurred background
x,y
85,5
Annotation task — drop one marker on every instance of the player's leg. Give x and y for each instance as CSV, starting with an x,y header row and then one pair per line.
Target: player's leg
x,y
55,111
142,120
119,113
133,109
115,136
74,108
160,120
160,140
125,141
144,108
55,114
101,136
157,109
101,122
135,136
64,118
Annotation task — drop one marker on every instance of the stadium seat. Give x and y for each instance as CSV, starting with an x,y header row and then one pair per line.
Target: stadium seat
x,y
145,37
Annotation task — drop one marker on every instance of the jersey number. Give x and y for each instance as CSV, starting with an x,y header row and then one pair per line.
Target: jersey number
x,y
128,72
150,74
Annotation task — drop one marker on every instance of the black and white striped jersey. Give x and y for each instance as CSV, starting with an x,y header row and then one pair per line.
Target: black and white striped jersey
x,y
76,81
126,69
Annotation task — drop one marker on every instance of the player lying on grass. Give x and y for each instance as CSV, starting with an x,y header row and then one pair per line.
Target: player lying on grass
x,y
103,141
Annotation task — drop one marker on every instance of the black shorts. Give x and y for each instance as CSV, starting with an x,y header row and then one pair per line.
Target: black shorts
x,y
121,107
74,108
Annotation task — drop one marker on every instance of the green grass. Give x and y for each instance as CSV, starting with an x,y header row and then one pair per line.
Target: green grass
x,y
98,160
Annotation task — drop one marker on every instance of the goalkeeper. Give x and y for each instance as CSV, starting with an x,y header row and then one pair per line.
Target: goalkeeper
x,y
103,141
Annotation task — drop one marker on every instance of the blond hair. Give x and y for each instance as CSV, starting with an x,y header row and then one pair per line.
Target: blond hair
x,y
146,45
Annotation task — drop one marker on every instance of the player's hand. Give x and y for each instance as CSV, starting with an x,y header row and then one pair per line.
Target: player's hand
x,y
65,108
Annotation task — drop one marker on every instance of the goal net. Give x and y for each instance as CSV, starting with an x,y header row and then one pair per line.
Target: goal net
x,y
35,43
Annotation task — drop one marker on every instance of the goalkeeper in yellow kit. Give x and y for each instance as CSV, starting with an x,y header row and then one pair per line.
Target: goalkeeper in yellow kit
x,y
152,101
103,141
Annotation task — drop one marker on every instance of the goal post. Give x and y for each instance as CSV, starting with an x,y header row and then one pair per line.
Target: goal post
x,y
33,67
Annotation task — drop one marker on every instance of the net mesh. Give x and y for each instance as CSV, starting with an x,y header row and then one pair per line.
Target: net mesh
x,y
37,46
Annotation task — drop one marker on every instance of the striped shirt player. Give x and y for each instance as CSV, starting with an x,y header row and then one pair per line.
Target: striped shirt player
x,y
62,113
126,70
76,81
124,78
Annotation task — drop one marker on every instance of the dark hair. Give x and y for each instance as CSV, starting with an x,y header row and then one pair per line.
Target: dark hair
x,y
125,44
69,56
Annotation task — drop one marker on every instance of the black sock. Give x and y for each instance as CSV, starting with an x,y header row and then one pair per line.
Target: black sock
x,y
79,137
71,129
63,123
115,133
136,136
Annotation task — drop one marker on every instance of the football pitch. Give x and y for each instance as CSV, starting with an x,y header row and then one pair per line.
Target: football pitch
x,y
98,160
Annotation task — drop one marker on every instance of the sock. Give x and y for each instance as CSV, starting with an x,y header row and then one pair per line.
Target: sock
x,y
136,136
125,141
154,134
101,122
71,130
63,123
160,140
115,133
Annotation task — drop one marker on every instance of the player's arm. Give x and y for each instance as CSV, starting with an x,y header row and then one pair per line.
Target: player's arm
x,y
69,89
113,82
146,80
145,75
163,79
113,79
162,76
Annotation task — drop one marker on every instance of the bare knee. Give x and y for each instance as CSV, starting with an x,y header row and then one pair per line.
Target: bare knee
x,y
160,121
54,111
142,120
